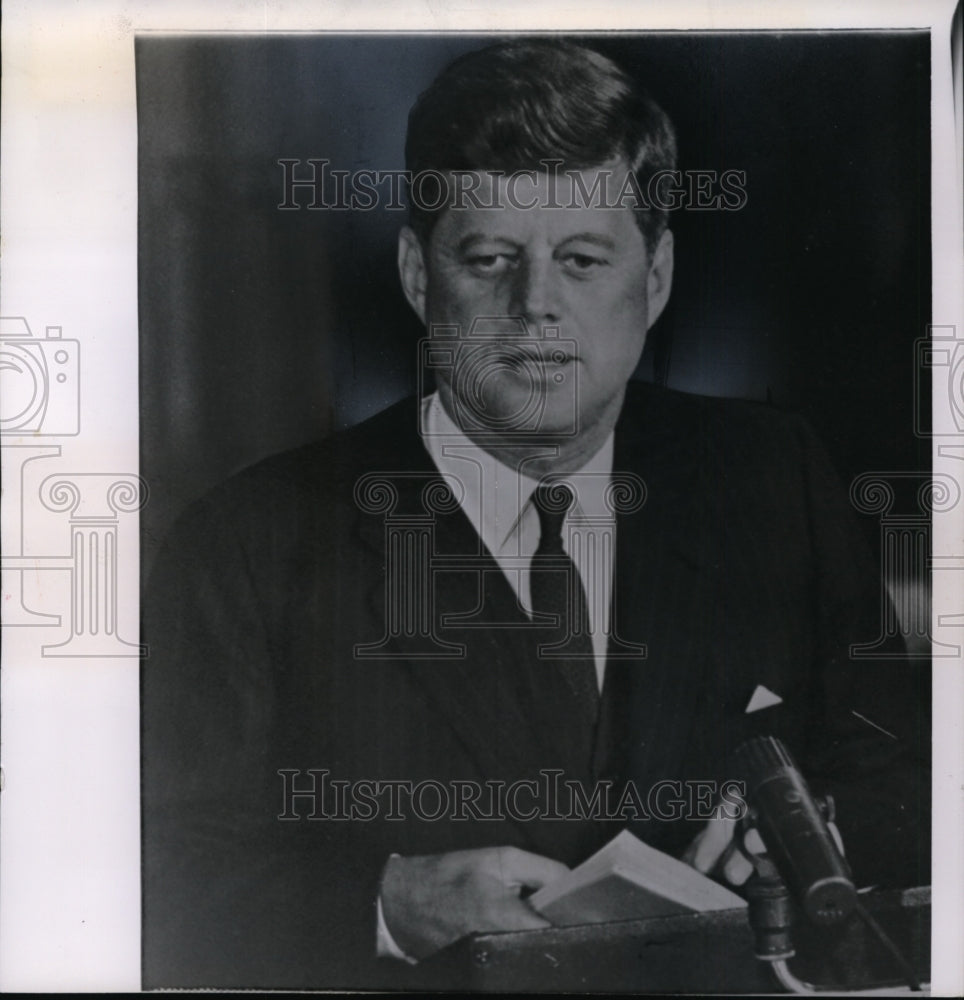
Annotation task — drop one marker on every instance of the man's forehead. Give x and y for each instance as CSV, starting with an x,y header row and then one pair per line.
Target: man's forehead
x,y
550,178
561,204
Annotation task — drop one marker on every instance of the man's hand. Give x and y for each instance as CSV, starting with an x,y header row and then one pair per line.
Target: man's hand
x,y
432,900
714,847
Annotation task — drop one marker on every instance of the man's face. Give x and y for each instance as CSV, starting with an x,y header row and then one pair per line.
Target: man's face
x,y
584,271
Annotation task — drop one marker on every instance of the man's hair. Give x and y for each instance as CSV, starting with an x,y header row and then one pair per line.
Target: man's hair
x,y
514,105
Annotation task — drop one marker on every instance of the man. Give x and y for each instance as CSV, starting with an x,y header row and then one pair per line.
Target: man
x,y
540,569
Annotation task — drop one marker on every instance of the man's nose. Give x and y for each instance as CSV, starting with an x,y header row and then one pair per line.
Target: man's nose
x,y
536,293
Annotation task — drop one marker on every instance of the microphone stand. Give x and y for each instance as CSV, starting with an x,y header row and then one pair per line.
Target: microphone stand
x,y
770,913
799,845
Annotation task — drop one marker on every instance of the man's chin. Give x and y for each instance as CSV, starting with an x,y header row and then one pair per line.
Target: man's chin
x,y
548,414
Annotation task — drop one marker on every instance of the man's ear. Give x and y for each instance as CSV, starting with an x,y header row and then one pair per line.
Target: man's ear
x,y
412,270
660,280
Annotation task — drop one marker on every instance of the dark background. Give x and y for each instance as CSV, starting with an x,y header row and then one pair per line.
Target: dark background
x,y
261,329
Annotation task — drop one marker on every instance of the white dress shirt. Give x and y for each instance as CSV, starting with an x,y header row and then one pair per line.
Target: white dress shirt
x,y
498,502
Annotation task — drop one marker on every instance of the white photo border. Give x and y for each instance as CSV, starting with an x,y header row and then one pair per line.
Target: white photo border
x,y
69,817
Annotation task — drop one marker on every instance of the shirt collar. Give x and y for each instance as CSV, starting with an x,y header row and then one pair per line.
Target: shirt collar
x,y
495,496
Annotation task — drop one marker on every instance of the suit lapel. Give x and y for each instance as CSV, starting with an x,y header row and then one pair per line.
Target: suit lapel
x,y
649,703
472,674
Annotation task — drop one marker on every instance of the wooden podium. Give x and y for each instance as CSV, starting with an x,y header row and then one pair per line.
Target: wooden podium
x,y
698,953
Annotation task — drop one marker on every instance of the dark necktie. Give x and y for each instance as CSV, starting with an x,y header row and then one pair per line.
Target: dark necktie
x,y
556,589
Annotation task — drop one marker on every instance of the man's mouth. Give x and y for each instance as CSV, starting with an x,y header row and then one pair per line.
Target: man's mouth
x,y
526,355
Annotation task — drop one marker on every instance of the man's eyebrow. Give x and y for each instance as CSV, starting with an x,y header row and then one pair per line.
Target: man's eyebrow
x,y
597,239
468,241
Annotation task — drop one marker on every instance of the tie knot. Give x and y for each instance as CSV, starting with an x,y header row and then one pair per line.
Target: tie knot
x,y
552,502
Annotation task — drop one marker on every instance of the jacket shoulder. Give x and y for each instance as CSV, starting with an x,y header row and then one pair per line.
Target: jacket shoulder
x,y
326,467
302,489
710,420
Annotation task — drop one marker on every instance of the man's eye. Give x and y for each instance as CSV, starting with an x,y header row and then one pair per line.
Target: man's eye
x,y
582,263
490,263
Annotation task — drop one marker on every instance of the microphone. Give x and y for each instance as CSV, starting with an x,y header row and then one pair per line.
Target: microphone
x,y
794,831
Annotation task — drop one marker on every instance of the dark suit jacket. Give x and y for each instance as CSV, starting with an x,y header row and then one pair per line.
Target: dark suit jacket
x,y
742,568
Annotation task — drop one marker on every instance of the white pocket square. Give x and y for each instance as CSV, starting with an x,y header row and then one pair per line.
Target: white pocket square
x,y
762,698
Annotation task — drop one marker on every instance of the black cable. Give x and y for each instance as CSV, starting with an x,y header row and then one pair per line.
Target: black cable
x,y
905,966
